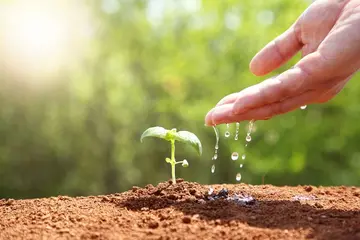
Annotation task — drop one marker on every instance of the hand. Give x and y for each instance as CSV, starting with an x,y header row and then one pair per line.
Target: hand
x,y
328,34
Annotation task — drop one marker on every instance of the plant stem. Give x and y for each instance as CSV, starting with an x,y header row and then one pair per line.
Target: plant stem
x,y
173,162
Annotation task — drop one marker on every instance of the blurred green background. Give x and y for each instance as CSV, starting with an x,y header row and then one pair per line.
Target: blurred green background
x,y
81,80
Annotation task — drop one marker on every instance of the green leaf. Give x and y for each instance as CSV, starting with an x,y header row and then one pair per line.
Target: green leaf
x,y
158,132
189,138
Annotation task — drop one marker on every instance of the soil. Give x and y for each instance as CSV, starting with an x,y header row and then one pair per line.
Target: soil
x,y
189,211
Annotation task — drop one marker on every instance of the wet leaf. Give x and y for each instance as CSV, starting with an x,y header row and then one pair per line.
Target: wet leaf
x,y
189,138
158,132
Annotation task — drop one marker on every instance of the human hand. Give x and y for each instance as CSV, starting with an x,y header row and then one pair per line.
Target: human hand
x,y
328,34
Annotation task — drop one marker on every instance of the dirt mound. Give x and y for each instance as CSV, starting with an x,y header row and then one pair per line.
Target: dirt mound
x,y
189,211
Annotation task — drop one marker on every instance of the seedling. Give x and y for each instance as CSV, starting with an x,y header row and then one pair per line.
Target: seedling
x,y
172,136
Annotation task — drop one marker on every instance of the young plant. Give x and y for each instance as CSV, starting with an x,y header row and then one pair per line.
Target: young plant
x,y
172,136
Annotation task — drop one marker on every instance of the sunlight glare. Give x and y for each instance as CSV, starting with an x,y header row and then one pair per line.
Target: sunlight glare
x,y
37,37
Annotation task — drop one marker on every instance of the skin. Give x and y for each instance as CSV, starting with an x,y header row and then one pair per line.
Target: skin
x,y
328,36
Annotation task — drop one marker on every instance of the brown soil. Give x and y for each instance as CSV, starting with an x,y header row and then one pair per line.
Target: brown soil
x,y
186,211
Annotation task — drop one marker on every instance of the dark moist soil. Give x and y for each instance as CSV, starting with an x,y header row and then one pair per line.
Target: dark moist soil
x,y
189,211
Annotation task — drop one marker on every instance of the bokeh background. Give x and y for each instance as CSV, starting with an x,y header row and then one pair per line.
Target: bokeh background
x,y
81,80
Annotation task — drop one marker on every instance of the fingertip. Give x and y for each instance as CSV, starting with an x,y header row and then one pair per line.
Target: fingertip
x,y
223,114
208,118
256,67
266,60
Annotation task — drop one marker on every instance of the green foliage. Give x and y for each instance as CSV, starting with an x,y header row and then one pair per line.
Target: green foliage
x,y
172,136
145,66
158,132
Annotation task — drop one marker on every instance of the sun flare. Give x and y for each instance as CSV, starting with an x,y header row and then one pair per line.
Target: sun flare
x,y
38,36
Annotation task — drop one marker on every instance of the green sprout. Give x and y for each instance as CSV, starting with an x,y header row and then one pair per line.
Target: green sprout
x,y
172,136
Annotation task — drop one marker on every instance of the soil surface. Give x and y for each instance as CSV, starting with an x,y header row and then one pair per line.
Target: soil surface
x,y
189,211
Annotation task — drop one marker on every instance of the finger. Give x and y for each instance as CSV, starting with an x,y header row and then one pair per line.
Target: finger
x,y
320,16
311,72
208,118
277,52
231,98
324,70
223,114
288,84
228,99
332,92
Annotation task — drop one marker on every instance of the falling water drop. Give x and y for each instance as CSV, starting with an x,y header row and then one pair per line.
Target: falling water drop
x,y
251,125
248,137
248,140
227,133
216,148
237,131
213,168
234,156
238,177
217,137
217,142
303,107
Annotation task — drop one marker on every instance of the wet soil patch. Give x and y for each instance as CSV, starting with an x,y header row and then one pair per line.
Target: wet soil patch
x,y
189,211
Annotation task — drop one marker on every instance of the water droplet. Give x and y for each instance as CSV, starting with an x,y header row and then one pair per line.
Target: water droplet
x,y
213,168
246,145
241,165
303,107
217,142
251,124
227,134
237,131
250,127
238,177
243,157
234,156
